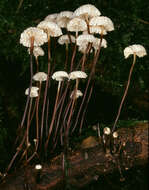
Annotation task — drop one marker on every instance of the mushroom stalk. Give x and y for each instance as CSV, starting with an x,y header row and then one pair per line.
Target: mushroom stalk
x,y
37,65
125,92
73,56
46,90
31,75
66,59
88,82
28,122
37,119
54,114
72,106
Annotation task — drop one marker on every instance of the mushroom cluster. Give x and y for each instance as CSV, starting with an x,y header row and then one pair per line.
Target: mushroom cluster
x,y
82,31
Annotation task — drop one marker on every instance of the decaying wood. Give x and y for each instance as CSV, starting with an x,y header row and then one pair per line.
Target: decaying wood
x,y
86,164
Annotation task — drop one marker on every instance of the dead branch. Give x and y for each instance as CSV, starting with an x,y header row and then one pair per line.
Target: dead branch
x,y
86,163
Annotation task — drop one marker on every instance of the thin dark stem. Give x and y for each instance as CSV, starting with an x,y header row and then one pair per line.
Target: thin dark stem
x,y
31,75
66,60
37,119
28,122
125,93
73,56
37,64
88,82
61,104
83,115
45,93
53,116
87,51
71,110
16,154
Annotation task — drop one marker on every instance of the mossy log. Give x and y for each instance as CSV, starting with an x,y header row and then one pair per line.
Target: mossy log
x,y
86,164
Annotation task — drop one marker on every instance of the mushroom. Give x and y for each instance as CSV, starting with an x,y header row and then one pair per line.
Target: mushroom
x,y
76,95
97,42
135,50
58,76
66,39
104,24
86,12
33,36
63,18
85,41
32,92
38,168
52,30
106,139
139,50
76,75
51,17
76,25
37,51
40,76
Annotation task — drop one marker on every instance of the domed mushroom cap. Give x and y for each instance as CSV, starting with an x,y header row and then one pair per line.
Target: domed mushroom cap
x,y
139,50
40,37
52,28
97,42
107,131
86,10
76,25
40,76
115,134
84,39
102,21
38,166
59,75
77,94
51,17
77,74
63,18
37,51
64,39
33,91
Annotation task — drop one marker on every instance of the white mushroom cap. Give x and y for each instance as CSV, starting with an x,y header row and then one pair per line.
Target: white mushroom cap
x,y
63,18
84,39
97,30
37,51
102,21
52,28
59,75
115,134
77,74
77,94
40,76
97,42
107,131
38,166
40,37
76,25
51,17
139,50
33,91
87,10
64,39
